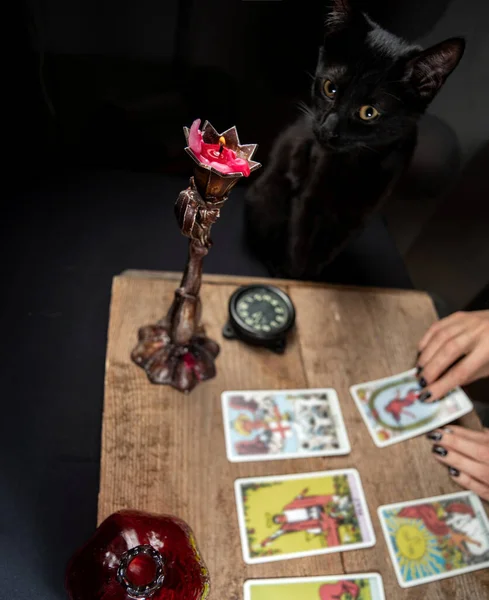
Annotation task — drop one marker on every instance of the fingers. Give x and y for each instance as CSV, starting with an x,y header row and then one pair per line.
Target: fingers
x,y
469,483
462,373
466,454
455,318
475,446
462,463
434,362
441,339
454,351
470,434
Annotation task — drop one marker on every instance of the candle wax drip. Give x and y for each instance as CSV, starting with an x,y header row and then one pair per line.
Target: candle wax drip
x,y
191,365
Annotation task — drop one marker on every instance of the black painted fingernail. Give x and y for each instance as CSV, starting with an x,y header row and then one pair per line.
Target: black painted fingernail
x,y
418,370
453,471
424,396
439,450
434,435
422,382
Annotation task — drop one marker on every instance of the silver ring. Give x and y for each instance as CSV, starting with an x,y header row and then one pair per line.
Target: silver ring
x,y
141,591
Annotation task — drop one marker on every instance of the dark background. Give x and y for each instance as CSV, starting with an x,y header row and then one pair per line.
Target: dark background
x,y
107,85
97,93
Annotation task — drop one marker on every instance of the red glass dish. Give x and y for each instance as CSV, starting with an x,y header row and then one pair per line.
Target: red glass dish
x,y
135,555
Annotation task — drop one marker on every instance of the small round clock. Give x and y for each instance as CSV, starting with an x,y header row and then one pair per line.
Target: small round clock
x,y
261,315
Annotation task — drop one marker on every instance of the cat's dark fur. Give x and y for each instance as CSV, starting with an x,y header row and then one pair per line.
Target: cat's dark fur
x,y
330,170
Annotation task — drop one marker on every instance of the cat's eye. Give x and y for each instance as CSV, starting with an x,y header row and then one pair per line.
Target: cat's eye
x,y
330,88
368,113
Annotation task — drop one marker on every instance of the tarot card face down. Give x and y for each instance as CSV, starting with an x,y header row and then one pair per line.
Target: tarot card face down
x,y
291,516
363,586
435,538
261,425
392,411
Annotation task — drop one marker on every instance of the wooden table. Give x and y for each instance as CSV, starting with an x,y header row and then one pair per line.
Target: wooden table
x,y
164,452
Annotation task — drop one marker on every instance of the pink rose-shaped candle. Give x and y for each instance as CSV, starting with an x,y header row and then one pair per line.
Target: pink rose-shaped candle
x,y
216,156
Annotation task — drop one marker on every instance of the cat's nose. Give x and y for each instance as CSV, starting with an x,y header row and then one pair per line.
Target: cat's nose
x,y
330,125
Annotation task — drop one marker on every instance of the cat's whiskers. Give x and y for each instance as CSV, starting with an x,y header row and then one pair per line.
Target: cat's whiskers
x,y
305,110
392,96
366,146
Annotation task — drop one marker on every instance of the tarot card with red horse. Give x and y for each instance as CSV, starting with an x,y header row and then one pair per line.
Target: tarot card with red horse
x,y
393,412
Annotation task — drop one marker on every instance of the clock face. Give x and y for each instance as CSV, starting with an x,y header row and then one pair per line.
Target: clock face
x,y
263,311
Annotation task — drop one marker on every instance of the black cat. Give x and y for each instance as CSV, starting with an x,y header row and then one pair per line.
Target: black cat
x,y
333,168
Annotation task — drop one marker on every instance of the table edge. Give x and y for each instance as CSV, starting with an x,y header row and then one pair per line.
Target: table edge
x,y
216,279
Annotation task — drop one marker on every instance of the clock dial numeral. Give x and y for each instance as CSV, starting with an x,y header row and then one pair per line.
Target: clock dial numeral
x,y
261,310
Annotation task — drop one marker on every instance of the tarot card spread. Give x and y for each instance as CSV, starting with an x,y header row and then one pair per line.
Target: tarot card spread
x,y
435,538
392,411
363,586
271,425
292,516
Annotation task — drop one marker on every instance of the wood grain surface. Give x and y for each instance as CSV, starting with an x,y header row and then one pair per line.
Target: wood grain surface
x,y
164,452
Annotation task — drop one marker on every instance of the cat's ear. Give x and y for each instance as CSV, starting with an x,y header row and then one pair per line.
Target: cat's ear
x,y
338,15
428,70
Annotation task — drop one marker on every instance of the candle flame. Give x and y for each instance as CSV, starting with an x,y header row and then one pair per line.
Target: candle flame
x,y
222,143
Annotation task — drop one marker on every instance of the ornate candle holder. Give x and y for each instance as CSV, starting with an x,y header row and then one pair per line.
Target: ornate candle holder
x,y
175,351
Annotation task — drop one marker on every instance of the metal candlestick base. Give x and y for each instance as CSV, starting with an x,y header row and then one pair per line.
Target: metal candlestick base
x,y
181,366
176,350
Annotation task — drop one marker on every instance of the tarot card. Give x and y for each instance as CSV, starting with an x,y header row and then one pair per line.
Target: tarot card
x,y
271,425
392,411
435,538
362,586
291,516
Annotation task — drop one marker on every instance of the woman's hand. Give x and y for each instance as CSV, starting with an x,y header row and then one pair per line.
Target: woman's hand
x,y
466,454
462,337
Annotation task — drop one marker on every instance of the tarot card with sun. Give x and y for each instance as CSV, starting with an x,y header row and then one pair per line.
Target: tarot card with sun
x,y
393,412
435,538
